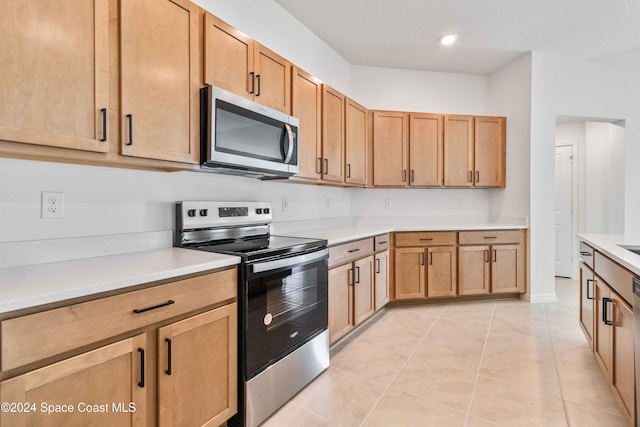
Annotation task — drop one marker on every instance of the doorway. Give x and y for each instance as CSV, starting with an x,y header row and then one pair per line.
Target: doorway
x,y
589,184
564,215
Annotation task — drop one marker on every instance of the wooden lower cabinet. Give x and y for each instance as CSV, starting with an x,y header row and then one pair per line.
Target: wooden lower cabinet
x,y
363,290
410,273
441,271
622,378
381,279
603,332
425,272
491,269
473,270
107,387
351,296
340,302
586,302
197,382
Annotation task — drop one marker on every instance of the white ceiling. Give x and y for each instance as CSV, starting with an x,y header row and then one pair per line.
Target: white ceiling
x,y
491,33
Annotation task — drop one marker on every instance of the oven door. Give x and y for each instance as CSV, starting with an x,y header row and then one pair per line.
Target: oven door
x,y
287,305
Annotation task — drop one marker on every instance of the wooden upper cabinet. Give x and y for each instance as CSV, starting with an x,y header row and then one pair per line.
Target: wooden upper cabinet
x,y
235,62
54,73
458,150
306,106
490,151
355,143
425,149
228,57
273,79
390,148
332,134
159,79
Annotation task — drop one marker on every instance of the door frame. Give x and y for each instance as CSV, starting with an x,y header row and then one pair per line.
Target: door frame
x,y
575,271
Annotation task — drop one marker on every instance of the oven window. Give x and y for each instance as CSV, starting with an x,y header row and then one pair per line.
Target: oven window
x,y
285,308
243,132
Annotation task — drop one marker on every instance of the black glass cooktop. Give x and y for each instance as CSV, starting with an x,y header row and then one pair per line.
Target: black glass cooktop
x,y
261,247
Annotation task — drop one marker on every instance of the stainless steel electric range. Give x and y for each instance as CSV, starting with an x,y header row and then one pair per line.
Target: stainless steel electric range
x,y
283,341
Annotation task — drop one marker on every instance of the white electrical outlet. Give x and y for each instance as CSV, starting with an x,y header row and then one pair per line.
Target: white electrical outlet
x,y
52,204
285,204
387,204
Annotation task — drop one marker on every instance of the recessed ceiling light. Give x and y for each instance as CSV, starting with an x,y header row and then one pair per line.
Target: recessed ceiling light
x,y
449,39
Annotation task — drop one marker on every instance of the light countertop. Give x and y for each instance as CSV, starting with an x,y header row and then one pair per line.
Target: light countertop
x,y
34,285
337,235
608,244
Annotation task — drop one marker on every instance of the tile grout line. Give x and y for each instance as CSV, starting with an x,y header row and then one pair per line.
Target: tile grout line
x,y
484,348
388,386
555,365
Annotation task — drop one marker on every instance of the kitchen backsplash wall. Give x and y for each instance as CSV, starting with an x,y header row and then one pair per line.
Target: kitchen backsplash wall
x,y
103,203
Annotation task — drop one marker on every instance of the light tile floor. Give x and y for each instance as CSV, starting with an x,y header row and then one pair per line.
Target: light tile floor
x,y
506,363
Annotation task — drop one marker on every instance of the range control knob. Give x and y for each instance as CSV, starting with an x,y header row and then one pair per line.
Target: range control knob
x,y
259,211
204,212
191,212
266,210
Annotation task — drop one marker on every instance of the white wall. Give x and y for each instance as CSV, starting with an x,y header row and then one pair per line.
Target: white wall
x,y
106,201
275,28
423,91
569,87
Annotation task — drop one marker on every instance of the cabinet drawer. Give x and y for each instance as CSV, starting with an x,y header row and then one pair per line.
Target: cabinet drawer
x,y
426,238
37,336
351,251
490,237
586,254
381,242
616,276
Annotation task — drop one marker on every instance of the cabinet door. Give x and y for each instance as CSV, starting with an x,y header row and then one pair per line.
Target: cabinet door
x,y
441,271
390,148
622,378
355,142
197,369
159,79
306,106
473,270
111,377
273,79
54,73
228,57
587,299
603,330
332,135
340,301
363,290
410,273
490,145
507,269
426,150
382,279
458,151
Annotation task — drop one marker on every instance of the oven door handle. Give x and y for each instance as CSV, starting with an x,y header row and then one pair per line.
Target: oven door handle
x,y
259,267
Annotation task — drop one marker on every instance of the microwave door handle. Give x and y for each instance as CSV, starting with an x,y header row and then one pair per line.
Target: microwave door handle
x,y
289,132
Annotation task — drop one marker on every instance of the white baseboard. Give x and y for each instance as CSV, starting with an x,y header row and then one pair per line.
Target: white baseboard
x,y
540,298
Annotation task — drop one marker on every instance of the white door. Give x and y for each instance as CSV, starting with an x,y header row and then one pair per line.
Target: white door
x,y
563,213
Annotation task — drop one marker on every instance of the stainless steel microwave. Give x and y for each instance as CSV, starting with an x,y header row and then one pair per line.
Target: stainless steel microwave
x,y
242,137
